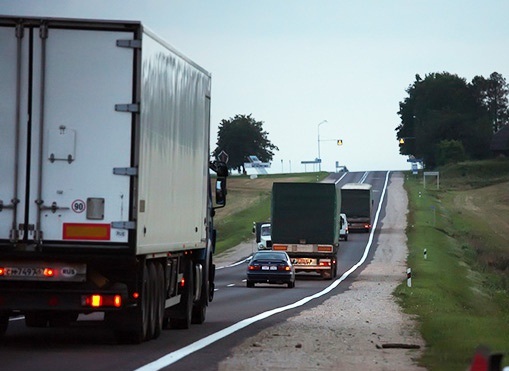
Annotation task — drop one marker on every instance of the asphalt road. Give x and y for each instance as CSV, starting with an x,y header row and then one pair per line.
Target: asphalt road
x,y
237,312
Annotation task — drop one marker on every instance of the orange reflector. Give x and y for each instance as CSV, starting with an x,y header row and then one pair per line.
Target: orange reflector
x,y
86,231
117,301
325,248
279,247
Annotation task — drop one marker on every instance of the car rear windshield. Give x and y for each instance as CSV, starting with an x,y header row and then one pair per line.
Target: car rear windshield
x,y
269,256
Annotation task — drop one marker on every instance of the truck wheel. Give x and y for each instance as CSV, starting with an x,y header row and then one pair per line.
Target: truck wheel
x,y
185,308
160,296
4,323
199,313
327,275
131,325
153,301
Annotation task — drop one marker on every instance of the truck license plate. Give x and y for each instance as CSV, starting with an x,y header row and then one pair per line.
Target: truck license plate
x,y
24,272
304,261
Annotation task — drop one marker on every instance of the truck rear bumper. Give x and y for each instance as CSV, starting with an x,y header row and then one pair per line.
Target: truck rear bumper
x,y
59,300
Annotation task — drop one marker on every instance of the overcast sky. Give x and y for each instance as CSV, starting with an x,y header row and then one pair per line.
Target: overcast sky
x,y
294,63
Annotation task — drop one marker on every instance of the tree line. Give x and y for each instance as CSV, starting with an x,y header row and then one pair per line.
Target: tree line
x,y
446,119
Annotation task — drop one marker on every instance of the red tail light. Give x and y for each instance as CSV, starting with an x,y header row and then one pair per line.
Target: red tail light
x,y
253,267
101,301
49,272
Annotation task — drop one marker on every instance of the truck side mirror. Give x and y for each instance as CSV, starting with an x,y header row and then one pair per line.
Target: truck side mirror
x,y
221,191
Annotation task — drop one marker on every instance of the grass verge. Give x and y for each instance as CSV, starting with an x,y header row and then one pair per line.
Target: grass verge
x,y
459,293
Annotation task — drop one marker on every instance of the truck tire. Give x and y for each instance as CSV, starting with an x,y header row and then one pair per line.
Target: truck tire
x,y
4,323
327,274
199,313
153,301
160,295
185,308
131,324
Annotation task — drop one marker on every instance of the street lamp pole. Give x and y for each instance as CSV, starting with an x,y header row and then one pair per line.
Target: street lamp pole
x,y
319,159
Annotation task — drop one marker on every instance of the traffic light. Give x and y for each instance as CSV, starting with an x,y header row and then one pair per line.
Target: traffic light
x,y
340,142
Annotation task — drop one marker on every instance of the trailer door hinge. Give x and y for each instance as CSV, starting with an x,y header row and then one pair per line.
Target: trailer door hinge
x,y
123,225
135,44
129,107
129,171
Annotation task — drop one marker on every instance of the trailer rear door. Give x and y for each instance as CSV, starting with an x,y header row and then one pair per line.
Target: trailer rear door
x,y
61,135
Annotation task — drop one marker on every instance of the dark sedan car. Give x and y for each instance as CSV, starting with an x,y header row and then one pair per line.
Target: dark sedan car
x,y
270,267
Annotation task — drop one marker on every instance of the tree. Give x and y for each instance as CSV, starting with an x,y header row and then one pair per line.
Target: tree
x,y
442,106
243,136
492,94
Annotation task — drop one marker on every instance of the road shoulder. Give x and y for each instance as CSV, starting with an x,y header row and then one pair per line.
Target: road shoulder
x,y
349,330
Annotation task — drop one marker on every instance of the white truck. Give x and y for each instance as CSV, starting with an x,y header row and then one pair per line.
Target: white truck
x,y
105,195
263,235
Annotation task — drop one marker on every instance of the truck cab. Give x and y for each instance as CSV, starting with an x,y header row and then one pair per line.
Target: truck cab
x,y
343,227
265,239
262,231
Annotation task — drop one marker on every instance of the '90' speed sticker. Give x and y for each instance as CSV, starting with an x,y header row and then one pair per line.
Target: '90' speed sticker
x,y
78,206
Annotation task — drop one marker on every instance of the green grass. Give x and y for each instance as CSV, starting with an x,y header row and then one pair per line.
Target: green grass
x,y
474,174
461,301
460,293
238,227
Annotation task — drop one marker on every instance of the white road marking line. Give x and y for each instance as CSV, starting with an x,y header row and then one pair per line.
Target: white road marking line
x,y
177,355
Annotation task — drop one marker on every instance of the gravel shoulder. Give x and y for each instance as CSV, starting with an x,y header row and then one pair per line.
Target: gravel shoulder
x,y
348,331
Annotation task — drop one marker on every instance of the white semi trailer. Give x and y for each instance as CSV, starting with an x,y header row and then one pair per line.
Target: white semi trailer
x,y
105,194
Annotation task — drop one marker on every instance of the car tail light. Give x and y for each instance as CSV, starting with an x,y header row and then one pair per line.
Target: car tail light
x,y
253,267
284,267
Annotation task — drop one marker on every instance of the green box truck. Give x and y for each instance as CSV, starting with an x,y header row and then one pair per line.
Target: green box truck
x,y
357,204
305,224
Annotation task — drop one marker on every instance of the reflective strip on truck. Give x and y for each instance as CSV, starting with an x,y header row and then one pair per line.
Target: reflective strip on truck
x,y
86,231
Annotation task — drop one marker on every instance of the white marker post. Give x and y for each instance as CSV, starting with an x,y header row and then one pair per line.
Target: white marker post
x,y
425,254
409,277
